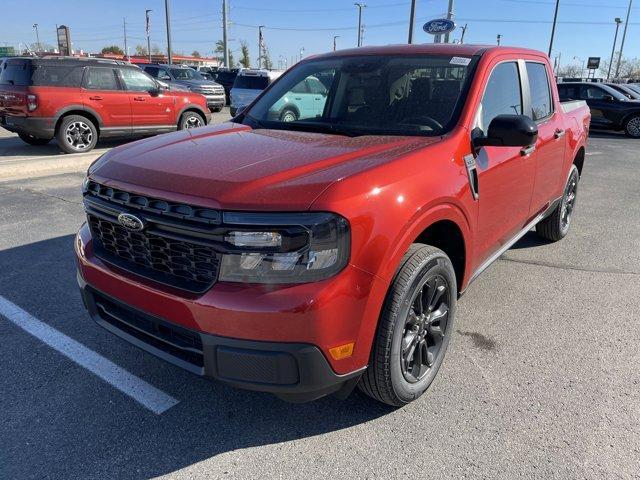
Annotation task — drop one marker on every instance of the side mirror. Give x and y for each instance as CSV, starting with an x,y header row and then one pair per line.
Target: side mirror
x,y
608,98
509,131
155,91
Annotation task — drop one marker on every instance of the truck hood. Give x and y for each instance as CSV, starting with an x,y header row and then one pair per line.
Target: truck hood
x,y
231,166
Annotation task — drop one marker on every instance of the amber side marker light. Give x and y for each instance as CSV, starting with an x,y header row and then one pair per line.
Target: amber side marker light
x,y
342,351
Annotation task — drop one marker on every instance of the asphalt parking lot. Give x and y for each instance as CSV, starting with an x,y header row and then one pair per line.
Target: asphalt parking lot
x,y
542,379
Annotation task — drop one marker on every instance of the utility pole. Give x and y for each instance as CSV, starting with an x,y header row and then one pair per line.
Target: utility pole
x,y
225,40
35,25
334,41
360,7
553,28
499,37
126,49
624,35
168,17
260,46
449,17
613,50
148,28
412,18
464,30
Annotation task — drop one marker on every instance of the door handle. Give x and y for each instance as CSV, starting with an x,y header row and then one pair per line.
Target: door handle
x,y
139,99
527,150
559,133
297,98
95,97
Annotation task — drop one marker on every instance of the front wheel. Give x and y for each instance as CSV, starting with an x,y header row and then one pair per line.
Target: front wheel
x,y
31,140
190,120
632,127
77,134
288,115
414,329
556,225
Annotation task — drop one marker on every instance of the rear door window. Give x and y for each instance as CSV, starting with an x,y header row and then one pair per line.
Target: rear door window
x,y
16,72
540,92
100,78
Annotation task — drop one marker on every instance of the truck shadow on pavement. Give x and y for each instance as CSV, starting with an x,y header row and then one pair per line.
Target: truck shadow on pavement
x,y
60,421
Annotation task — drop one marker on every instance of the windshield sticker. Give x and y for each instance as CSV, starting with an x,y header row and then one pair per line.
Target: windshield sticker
x,y
460,61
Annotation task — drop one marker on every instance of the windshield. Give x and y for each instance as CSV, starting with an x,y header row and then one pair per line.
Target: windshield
x,y
408,95
185,74
251,83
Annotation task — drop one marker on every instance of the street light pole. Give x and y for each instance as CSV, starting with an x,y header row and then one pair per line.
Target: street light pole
x,y
412,17
360,7
613,50
449,17
553,28
225,45
167,13
260,43
335,37
464,30
124,28
148,28
624,35
499,37
35,25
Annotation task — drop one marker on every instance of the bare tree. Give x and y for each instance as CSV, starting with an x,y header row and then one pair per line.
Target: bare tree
x,y
570,71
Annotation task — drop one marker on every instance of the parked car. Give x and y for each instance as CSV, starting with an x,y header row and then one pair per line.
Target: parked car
x,y
610,109
307,257
305,100
226,77
626,90
80,100
634,86
248,85
193,80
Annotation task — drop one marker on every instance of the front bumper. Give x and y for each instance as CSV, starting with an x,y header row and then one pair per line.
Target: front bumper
x,y
258,337
215,101
40,127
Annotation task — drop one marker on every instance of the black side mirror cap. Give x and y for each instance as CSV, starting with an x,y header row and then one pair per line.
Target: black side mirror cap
x,y
608,98
154,92
509,131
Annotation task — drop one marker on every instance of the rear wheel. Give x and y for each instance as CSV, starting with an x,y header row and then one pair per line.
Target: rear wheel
x,y
288,115
31,140
190,120
414,329
77,134
556,225
632,127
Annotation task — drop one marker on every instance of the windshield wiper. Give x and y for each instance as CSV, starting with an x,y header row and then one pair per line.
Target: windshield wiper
x,y
319,128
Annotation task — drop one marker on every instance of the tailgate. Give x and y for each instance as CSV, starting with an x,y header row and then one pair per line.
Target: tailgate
x,y
13,101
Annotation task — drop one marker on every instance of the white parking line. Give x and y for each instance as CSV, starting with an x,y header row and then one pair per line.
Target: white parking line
x,y
143,393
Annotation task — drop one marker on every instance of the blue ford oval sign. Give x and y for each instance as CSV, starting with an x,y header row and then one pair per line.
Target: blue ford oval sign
x,y
439,26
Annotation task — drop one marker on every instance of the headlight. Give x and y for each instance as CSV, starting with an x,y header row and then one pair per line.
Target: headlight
x,y
284,247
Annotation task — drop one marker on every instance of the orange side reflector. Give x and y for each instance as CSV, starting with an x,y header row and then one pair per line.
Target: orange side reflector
x,y
342,351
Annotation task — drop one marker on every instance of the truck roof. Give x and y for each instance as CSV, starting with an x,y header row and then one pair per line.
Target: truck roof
x,y
429,49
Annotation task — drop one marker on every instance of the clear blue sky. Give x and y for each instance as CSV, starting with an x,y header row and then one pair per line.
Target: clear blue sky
x,y
585,28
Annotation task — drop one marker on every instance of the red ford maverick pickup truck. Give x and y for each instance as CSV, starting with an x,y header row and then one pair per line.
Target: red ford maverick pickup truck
x,y
306,254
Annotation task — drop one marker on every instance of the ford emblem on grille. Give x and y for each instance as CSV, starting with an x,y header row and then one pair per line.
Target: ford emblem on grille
x,y
130,221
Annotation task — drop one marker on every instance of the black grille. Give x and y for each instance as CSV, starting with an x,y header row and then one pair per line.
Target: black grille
x,y
155,206
179,263
179,342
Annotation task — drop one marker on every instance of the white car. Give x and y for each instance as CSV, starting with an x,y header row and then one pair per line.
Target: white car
x,y
248,85
305,100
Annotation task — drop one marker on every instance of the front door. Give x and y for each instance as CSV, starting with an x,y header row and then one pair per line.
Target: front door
x,y
102,94
505,174
153,110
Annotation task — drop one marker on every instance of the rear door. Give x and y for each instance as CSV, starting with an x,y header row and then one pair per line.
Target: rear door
x,y
604,111
549,153
505,174
153,110
101,92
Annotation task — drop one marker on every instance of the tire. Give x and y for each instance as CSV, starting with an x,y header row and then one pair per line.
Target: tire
x,y
191,120
556,226
217,109
31,140
393,376
288,115
632,127
77,134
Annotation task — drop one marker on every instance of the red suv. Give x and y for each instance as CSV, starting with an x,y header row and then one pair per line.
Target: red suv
x,y
81,100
